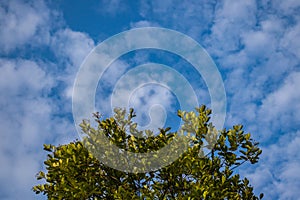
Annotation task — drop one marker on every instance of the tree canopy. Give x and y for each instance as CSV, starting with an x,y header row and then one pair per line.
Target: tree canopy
x,y
205,170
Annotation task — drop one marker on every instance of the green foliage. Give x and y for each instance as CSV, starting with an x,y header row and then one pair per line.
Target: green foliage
x,y
73,171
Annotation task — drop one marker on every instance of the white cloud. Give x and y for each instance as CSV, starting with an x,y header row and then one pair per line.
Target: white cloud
x,y
151,103
23,23
71,48
19,76
72,45
112,7
280,108
26,123
277,172
237,11
27,118
191,17
143,23
290,40
138,89
258,43
232,19
114,72
252,47
29,113
288,7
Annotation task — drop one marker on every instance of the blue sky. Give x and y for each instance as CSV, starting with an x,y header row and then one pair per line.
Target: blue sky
x,y
255,45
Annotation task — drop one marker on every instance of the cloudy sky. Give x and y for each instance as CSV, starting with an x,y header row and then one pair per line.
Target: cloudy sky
x,y
254,44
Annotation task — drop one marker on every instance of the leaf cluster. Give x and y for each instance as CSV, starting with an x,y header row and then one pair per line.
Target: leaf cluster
x,y
206,169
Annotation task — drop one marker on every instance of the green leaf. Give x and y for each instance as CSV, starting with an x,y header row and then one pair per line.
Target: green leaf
x,y
247,136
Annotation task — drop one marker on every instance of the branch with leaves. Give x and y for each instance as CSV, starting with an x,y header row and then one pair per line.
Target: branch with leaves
x,y
204,171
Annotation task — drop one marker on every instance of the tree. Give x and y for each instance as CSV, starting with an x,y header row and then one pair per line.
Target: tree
x,y
74,172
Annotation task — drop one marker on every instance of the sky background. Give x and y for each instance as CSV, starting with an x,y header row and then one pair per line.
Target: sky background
x,y
255,45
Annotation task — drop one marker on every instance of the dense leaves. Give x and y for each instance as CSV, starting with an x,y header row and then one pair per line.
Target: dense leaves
x,y
74,172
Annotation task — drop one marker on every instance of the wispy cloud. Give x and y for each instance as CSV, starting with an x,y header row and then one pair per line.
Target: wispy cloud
x,y
23,24
280,109
70,48
277,175
112,7
191,17
72,45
